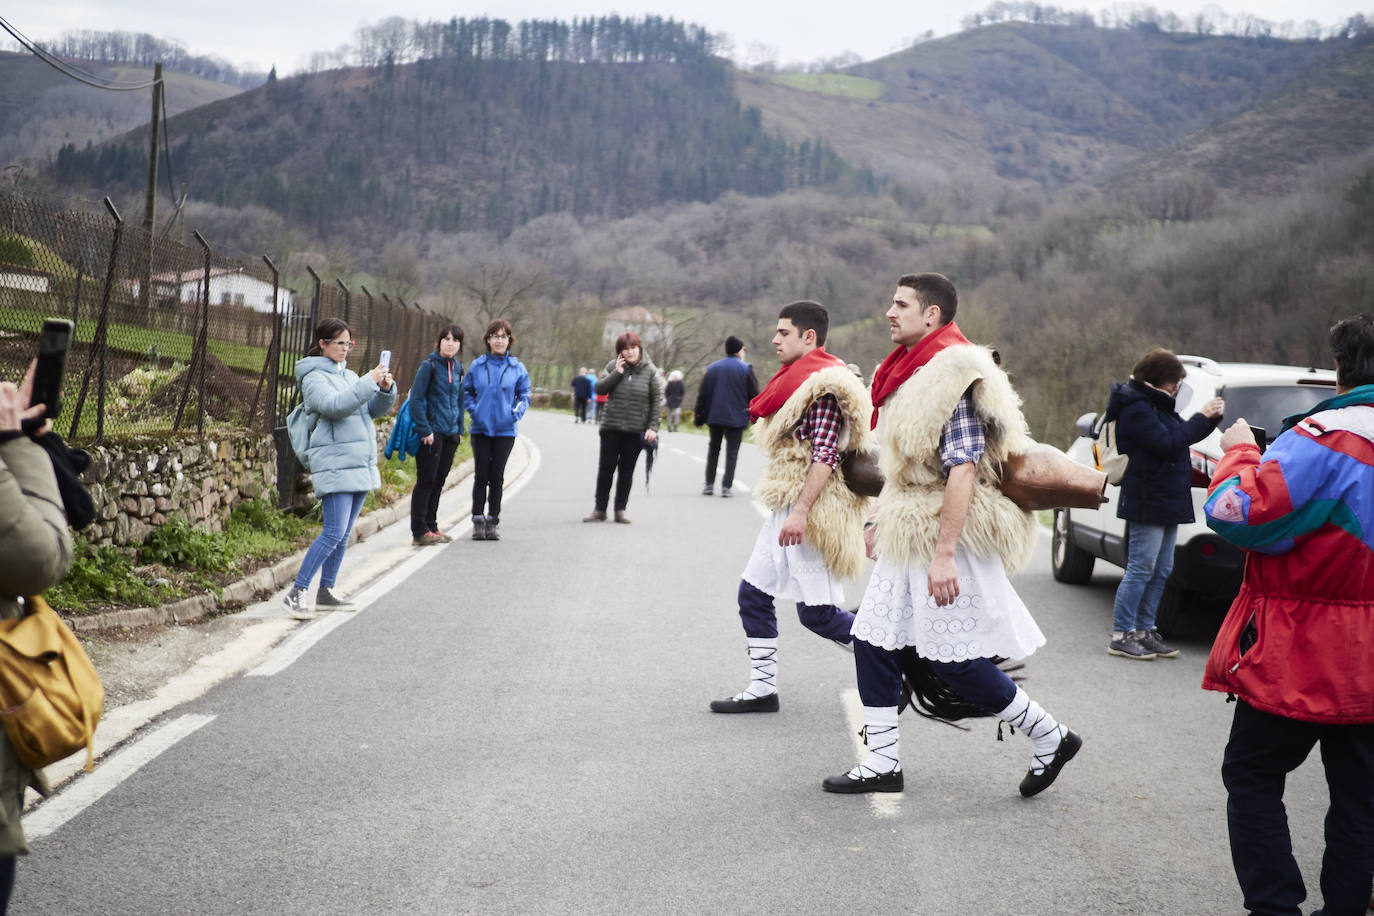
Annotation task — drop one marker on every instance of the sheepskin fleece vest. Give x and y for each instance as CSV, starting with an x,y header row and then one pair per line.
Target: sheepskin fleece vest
x,y
909,428
834,525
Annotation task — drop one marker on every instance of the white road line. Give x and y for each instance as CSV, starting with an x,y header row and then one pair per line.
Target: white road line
x,y
885,804
284,655
90,788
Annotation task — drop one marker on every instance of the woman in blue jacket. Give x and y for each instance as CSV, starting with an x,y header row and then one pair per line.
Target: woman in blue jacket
x,y
436,409
496,394
1156,494
342,453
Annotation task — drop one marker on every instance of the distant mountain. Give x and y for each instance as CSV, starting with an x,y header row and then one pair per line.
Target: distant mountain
x,y
41,109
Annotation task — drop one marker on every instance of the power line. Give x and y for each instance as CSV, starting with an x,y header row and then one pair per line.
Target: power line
x,y
69,70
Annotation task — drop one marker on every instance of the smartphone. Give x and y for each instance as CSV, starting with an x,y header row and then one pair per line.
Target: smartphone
x,y
385,359
53,343
1261,437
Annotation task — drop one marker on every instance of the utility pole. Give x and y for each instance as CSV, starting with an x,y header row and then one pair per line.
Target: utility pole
x,y
150,201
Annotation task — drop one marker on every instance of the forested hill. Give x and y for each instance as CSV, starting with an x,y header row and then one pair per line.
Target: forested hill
x,y
481,137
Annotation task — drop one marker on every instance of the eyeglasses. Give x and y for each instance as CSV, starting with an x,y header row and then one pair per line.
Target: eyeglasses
x,y
346,344
499,337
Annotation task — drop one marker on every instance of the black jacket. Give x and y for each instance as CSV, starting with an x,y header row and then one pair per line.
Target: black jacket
x,y
1157,487
725,393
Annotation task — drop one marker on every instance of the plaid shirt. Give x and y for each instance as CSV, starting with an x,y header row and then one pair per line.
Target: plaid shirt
x,y
962,440
821,425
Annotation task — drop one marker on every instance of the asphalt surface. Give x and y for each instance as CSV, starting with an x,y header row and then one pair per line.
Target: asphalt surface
x,y
521,727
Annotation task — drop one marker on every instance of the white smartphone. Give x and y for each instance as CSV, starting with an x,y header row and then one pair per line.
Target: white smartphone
x,y
385,359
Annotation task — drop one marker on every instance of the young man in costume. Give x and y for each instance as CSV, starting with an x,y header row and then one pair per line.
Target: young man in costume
x,y
810,412
945,539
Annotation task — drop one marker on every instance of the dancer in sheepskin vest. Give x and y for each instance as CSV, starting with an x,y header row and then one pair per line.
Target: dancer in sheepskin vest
x,y
945,539
810,413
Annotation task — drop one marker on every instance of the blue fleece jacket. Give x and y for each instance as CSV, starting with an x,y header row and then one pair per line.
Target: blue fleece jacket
x,y
496,394
436,397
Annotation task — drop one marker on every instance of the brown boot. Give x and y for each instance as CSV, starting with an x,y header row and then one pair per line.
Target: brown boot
x,y
621,517
598,515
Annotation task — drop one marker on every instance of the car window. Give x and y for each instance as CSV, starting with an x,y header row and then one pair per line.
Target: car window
x,y
1267,405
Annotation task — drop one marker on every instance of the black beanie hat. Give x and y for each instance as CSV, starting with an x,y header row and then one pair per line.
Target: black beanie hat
x,y
733,345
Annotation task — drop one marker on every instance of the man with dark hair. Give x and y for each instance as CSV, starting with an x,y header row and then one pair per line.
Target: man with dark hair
x,y
809,412
945,538
723,404
1297,647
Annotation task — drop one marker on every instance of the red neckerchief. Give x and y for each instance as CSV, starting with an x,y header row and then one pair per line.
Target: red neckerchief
x,y
901,364
786,382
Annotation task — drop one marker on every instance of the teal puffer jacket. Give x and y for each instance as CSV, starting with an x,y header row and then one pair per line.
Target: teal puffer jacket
x,y
343,447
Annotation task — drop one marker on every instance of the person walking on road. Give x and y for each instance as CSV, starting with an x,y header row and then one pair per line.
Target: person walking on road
x,y
811,543
723,404
35,552
1156,494
945,539
629,423
496,393
436,410
582,393
342,454
1296,650
673,395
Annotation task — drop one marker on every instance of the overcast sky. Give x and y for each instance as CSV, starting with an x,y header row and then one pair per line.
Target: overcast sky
x,y
256,34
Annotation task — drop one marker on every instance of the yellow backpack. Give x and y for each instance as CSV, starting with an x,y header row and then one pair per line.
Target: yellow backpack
x,y
50,696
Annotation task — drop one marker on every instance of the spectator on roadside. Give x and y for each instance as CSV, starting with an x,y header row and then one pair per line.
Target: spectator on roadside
x,y
35,551
582,393
628,423
598,403
723,404
674,393
1296,650
496,394
342,454
436,409
1156,494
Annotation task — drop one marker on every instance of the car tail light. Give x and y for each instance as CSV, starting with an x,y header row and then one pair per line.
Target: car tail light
x,y
1203,468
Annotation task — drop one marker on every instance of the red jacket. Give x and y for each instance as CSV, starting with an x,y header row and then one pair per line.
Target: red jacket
x,y
1305,612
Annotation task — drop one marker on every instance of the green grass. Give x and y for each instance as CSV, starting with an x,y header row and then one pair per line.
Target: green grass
x,y
837,84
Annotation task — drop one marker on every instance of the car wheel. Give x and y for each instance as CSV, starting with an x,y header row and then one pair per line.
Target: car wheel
x,y
1169,614
1070,563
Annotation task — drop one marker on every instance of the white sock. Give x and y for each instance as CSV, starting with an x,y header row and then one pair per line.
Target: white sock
x,y
763,665
1028,717
884,747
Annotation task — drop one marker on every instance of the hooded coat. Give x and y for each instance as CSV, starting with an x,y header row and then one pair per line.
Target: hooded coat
x,y
1157,486
343,446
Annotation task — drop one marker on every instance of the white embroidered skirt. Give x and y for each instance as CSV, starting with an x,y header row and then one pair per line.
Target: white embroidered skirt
x,y
794,573
986,619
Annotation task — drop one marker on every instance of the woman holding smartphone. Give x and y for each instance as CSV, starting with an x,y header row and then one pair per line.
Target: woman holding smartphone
x,y
496,394
629,423
342,453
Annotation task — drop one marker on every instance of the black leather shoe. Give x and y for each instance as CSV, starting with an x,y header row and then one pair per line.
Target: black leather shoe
x,y
1035,783
878,782
751,704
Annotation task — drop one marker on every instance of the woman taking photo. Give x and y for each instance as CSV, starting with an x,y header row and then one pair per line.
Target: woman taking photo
x,y
436,409
496,394
634,397
342,453
1156,494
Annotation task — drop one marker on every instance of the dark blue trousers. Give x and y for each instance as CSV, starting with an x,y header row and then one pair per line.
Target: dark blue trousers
x,y
1262,751
761,620
977,680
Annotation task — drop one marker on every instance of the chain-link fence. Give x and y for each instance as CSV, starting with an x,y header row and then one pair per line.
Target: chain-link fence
x,y
172,337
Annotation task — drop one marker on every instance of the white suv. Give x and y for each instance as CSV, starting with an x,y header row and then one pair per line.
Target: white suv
x,y
1204,564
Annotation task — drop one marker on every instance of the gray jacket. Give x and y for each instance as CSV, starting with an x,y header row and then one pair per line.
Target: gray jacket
x,y
343,447
634,398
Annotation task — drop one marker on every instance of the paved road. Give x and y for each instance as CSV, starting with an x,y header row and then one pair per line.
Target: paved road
x,y
521,727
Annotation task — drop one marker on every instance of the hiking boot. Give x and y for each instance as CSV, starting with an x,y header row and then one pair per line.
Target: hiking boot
x,y
708,490
1128,646
327,599
479,527
492,529
1153,642
295,607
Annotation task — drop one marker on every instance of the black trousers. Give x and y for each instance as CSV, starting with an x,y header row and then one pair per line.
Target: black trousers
x,y
580,409
619,455
432,464
489,454
1262,751
732,436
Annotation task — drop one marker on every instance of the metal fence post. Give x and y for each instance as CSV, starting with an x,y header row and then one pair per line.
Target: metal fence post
x,y
98,339
198,353
371,311
270,365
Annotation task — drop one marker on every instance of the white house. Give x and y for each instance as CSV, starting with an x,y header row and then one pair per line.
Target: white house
x,y
653,330
12,276
228,286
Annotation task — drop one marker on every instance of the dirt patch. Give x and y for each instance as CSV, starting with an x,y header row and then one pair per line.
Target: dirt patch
x,y
228,395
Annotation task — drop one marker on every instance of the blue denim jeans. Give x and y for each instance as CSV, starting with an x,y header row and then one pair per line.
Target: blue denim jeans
x,y
1149,560
326,554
